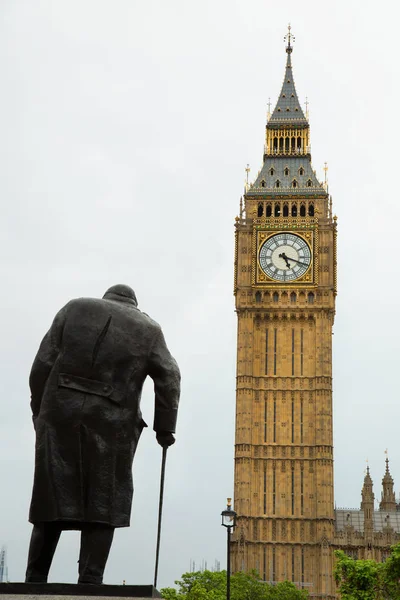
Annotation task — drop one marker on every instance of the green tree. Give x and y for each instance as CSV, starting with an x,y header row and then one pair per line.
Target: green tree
x,y
207,585
368,579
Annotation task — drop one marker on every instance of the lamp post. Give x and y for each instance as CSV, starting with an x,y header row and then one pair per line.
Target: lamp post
x,y
228,521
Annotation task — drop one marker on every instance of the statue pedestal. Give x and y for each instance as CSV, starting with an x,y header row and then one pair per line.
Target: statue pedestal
x,y
73,591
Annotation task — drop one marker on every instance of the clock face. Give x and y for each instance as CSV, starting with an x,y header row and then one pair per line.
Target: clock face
x,y
285,257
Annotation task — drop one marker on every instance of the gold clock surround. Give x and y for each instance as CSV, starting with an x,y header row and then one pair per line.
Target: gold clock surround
x,y
262,234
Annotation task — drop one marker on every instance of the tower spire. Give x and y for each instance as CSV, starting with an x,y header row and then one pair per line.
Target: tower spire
x,y
388,501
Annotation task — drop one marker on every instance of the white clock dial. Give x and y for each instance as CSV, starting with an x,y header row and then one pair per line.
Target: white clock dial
x,y
285,257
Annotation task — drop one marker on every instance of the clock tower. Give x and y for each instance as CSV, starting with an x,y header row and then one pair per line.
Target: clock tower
x,y
285,288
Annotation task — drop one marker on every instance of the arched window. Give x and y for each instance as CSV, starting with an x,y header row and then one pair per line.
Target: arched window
x,y
275,297
287,142
301,171
311,210
275,145
277,183
294,183
281,144
271,171
294,210
285,210
293,298
299,143
268,212
293,144
260,210
286,171
277,210
258,297
309,183
310,298
303,210
263,183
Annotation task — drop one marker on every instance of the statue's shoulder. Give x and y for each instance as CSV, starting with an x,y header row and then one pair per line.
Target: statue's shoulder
x,y
151,322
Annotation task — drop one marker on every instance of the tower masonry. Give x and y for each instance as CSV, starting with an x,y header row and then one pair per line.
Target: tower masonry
x,y
285,289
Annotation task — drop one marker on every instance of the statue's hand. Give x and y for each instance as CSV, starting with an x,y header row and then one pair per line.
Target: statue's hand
x,y
165,438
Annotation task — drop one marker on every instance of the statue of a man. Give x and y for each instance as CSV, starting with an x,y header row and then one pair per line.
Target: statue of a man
x,y
86,383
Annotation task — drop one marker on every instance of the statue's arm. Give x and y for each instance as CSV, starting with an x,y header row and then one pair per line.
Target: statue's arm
x,y
45,359
164,371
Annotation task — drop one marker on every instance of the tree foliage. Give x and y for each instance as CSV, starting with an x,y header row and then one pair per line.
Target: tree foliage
x,y
208,585
367,579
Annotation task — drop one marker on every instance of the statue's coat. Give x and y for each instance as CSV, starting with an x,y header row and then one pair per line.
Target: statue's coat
x,y
86,383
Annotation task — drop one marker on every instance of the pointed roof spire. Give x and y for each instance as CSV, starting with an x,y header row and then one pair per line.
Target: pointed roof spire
x,y
288,109
387,478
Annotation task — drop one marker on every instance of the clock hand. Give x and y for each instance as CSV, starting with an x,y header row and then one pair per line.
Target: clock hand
x,y
285,258
300,263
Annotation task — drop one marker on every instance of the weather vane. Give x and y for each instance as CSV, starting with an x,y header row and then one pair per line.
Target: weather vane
x,y
289,37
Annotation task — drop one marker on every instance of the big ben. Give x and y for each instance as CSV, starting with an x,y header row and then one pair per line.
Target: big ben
x,y
285,289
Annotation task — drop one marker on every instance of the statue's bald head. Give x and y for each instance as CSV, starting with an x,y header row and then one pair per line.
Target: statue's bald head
x,y
121,292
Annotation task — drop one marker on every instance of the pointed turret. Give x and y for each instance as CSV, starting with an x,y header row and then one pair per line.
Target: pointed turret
x,y
367,505
288,109
287,152
388,501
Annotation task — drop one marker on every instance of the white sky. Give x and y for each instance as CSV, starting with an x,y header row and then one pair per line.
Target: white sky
x,y
125,128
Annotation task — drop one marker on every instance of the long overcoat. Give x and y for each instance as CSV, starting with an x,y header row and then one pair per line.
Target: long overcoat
x,y
86,383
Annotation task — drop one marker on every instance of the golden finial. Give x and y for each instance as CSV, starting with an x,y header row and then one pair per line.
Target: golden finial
x,y
269,109
307,103
229,502
247,169
289,37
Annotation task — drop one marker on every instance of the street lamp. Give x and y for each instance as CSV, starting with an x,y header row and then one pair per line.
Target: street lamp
x,y
228,521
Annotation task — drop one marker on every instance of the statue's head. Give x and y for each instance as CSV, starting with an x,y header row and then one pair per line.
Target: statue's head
x,y
122,293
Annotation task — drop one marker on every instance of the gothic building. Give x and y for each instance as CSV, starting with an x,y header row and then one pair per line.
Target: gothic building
x,y
285,290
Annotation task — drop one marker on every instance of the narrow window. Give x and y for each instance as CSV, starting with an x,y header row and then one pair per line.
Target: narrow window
x,y
265,564
265,487
258,297
287,142
310,298
309,183
277,183
263,183
285,210
302,565
269,210
273,490
271,172
286,171
260,210
292,420
301,420
302,210
301,351
294,183
299,143
277,209
281,144
266,352
293,564
294,210
265,420
275,347
292,491
311,210
274,420
275,298
301,171
293,144
273,565
293,298
302,492
292,352
275,147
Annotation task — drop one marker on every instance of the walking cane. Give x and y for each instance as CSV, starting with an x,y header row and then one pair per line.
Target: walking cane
x,y
160,506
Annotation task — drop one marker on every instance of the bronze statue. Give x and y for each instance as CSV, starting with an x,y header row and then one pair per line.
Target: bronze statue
x,y
86,383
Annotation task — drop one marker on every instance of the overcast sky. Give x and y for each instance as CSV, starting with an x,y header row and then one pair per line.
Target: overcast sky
x,y
125,129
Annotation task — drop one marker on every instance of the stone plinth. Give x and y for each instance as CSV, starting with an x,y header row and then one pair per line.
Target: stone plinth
x,y
70,591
